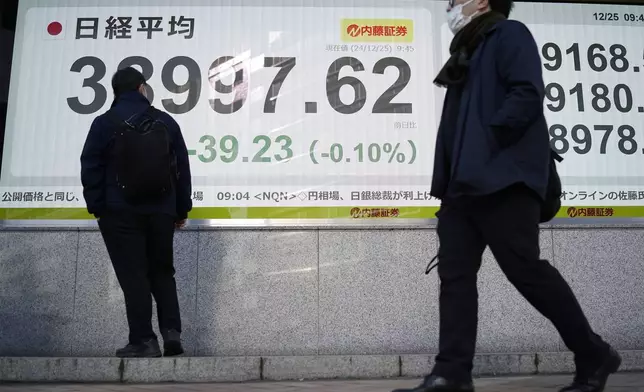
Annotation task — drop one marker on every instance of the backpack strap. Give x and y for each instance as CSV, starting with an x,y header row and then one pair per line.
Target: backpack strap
x,y
155,115
150,112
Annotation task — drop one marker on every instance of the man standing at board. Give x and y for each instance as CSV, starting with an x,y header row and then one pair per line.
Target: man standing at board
x,y
136,181
491,172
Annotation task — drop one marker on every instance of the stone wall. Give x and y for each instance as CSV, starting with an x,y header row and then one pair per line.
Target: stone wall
x,y
305,293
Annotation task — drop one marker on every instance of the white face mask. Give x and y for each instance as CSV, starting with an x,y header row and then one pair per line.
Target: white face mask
x,y
455,18
144,92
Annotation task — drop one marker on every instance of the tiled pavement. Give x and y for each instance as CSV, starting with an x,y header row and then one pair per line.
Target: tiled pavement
x,y
630,382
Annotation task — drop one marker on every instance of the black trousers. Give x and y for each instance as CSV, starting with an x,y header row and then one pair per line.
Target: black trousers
x,y
507,222
141,250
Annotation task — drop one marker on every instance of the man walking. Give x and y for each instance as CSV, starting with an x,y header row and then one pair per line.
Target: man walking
x,y
491,174
136,179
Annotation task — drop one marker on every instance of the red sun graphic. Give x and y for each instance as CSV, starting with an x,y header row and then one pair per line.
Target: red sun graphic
x,y
54,28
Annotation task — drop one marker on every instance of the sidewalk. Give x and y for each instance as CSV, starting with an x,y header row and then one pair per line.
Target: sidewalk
x,y
625,382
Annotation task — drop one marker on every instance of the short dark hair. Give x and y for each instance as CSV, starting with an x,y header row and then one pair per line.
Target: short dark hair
x,y
126,80
502,6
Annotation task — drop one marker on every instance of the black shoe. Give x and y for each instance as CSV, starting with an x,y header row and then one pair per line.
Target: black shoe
x,y
172,343
439,384
149,349
598,377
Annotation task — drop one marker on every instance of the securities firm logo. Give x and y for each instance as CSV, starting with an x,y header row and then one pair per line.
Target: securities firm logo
x,y
590,212
361,213
377,30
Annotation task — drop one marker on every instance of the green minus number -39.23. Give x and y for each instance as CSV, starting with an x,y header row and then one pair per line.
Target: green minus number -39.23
x,y
226,149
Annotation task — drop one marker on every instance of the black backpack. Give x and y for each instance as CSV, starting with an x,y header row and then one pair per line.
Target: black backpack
x,y
144,159
552,203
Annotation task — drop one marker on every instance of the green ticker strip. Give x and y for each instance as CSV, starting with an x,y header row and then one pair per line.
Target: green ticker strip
x,y
357,213
44,214
241,213
313,213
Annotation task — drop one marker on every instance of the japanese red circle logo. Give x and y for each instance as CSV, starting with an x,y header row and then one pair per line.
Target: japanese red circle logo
x,y
54,28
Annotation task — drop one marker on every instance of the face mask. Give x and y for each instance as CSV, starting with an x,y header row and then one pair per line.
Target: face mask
x,y
455,18
144,92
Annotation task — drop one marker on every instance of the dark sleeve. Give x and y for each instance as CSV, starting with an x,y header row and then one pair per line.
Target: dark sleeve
x,y
519,67
93,168
184,182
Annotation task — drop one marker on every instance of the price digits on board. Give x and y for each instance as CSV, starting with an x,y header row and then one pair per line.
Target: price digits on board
x,y
603,98
226,149
583,136
596,57
239,88
598,97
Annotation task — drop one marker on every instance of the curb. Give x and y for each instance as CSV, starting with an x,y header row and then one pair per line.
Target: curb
x,y
239,369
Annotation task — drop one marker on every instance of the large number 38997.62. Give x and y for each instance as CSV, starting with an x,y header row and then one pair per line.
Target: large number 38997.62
x,y
234,67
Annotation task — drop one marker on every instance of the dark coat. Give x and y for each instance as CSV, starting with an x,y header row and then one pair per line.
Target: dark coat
x,y
98,172
500,133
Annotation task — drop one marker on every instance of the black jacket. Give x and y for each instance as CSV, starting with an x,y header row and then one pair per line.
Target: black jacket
x,y
497,135
98,173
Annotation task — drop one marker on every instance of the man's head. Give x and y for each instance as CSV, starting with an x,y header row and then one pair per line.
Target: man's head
x,y
461,12
127,80
472,8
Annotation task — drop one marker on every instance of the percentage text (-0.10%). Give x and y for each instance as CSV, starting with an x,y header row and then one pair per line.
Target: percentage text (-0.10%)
x,y
390,153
